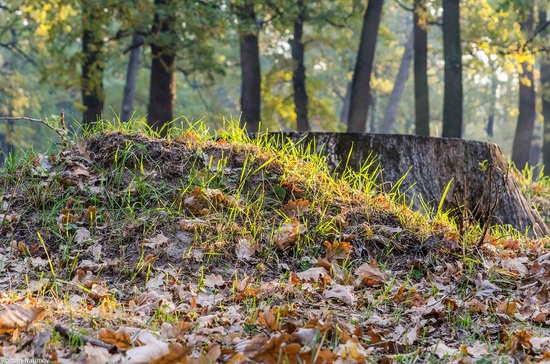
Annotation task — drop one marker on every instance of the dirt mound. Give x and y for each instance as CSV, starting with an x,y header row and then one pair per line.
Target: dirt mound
x,y
238,252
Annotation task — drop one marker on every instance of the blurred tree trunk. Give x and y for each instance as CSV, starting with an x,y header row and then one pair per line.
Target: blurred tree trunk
x,y
398,87
93,65
493,106
452,100
299,72
521,147
344,114
360,86
421,90
162,91
251,81
545,95
372,102
131,75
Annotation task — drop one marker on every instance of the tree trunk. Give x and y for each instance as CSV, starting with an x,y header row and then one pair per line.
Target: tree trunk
x,y
398,87
545,95
360,86
344,114
162,91
372,102
299,72
251,80
131,75
421,90
452,100
493,106
93,65
435,162
521,147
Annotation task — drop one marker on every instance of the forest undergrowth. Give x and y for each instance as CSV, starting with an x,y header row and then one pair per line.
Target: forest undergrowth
x,y
201,248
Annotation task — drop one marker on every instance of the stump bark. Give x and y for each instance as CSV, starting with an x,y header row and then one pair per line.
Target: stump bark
x,y
480,175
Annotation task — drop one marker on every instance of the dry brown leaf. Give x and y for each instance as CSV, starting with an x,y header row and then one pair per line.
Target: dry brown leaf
x,y
122,338
352,351
212,281
314,274
15,317
192,224
308,336
296,208
443,351
244,249
342,293
176,354
478,350
81,235
508,307
268,319
370,275
516,265
287,234
155,242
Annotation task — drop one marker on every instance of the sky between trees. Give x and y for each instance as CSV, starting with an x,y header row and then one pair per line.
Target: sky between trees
x,y
476,69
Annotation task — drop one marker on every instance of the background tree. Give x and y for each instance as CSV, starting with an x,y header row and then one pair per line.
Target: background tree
x,y
526,118
399,86
421,90
360,86
545,90
249,29
299,71
93,60
131,76
162,92
453,98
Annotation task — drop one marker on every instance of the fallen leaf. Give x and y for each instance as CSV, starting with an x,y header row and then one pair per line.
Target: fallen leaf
x,y
342,293
314,274
244,249
15,317
370,275
212,281
296,208
443,351
268,320
287,234
155,242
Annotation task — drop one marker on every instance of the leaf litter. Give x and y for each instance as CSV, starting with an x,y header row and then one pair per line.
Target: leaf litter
x,y
141,250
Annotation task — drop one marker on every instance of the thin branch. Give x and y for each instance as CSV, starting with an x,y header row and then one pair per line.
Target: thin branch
x,y
404,6
540,29
69,334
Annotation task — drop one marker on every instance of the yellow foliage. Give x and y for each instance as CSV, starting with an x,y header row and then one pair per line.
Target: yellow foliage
x,y
525,81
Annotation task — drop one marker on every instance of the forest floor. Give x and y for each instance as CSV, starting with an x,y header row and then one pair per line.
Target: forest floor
x,y
126,248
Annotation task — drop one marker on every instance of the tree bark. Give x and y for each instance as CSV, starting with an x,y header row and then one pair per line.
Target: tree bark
x,y
251,80
162,91
92,68
398,87
435,162
131,75
545,95
521,147
452,99
360,86
421,90
299,72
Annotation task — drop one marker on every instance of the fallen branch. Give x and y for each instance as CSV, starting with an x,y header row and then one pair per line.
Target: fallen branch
x,y
68,334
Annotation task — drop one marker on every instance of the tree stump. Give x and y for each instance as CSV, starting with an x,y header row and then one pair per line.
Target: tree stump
x,y
481,182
